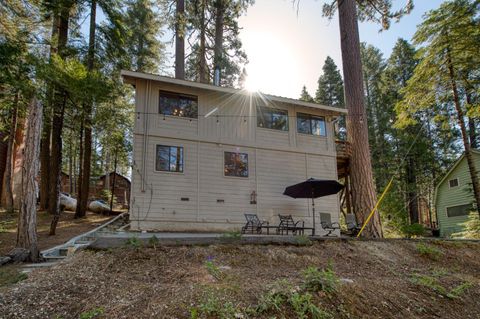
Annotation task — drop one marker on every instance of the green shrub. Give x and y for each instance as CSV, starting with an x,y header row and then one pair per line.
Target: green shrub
x,y
320,280
215,308
277,295
459,290
133,242
413,230
428,251
153,241
106,195
232,235
434,284
94,313
471,227
213,269
304,307
302,240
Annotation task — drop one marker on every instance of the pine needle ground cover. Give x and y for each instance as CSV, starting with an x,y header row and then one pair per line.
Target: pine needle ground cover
x,y
334,279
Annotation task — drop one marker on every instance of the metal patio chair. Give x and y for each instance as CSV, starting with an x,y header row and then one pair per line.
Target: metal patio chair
x,y
327,225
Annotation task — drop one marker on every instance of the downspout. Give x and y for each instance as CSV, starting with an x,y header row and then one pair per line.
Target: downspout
x,y
145,134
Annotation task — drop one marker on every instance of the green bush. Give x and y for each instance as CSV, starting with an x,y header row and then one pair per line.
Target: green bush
x,y
213,307
413,230
133,242
106,195
320,280
213,269
304,307
471,227
429,251
434,284
302,240
94,313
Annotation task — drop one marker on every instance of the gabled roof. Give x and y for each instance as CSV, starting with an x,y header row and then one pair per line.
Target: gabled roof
x,y
459,160
130,75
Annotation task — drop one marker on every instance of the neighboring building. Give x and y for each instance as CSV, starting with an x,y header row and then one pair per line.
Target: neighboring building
x,y
204,155
122,187
454,196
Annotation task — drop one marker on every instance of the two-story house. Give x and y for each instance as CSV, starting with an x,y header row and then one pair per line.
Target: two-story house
x,y
204,155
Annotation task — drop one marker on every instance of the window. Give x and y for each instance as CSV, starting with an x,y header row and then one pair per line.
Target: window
x,y
178,105
236,164
169,158
453,182
311,124
460,210
272,118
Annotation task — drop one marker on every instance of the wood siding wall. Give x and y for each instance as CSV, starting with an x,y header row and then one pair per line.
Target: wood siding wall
x,y
454,196
212,201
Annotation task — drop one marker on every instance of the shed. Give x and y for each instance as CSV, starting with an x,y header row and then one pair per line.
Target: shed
x,y
454,196
122,187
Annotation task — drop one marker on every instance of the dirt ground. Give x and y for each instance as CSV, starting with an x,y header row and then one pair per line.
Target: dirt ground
x,y
67,228
378,279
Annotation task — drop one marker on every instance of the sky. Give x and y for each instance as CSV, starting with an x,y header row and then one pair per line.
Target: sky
x,y
286,49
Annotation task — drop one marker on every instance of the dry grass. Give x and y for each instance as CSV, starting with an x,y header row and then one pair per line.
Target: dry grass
x,y
167,282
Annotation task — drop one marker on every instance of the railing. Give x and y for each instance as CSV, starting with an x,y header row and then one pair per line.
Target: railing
x,y
344,149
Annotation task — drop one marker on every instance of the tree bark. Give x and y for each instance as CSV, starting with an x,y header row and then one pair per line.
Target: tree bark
x,y
113,181
361,177
80,170
59,103
87,153
218,48
472,132
412,199
463,129
27,222
8,175
180,40
203,77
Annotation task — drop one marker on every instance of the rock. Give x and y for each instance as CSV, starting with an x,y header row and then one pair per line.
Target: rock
x,y
346,280
19,254
4,260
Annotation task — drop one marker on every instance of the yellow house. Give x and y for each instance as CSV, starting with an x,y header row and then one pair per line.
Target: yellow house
x,y
204,155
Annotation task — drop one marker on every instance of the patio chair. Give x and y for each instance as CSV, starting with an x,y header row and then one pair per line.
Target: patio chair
x,y
352,226
288,224
327,225
254,224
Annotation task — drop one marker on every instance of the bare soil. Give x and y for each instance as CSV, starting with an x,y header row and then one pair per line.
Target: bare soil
x,y
67,228
168,282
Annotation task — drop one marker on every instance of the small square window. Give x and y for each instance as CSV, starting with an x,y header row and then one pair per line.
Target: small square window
x,y
236,164
169,158
453,182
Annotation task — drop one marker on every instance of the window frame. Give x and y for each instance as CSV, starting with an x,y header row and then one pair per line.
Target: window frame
x,y
311,117
177,96
235,176
468,212
170,147
272,111
453,179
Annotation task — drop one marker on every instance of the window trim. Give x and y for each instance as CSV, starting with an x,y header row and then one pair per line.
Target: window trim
x,y
447,207
178,95
274,109
235,176
310,117
458,182
165,171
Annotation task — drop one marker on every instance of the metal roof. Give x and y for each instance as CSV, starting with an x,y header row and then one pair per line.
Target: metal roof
x,y
129,75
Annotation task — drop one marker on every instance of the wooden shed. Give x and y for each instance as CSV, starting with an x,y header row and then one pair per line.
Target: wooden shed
x,y
122,187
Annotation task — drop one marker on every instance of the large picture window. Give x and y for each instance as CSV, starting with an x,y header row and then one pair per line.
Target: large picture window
x,y
178,105
236,164
460,210
271,118
169,158
311,124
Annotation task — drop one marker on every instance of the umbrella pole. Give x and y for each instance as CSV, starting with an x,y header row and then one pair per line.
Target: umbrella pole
x,y
313,211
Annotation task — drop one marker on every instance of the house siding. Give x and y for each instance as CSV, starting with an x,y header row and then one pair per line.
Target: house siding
x,y
460,195
276,159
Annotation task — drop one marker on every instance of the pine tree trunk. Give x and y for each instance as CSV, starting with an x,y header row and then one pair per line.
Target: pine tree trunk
x,y
8,175
180,40
463,129
218,48
203,78
45,160
106,186
472,132
361,178
80,170
412,200
87,153
27,223
57,127
113,181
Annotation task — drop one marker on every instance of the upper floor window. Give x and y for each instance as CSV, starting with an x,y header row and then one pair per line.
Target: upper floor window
x,y
178,104
169,158
236,164
268,117
460,210
453,182
311,124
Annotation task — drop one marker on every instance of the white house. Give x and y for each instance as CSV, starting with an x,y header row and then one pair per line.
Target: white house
x,y
204,155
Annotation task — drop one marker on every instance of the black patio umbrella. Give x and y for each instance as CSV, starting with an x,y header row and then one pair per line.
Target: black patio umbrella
x,y
313,188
